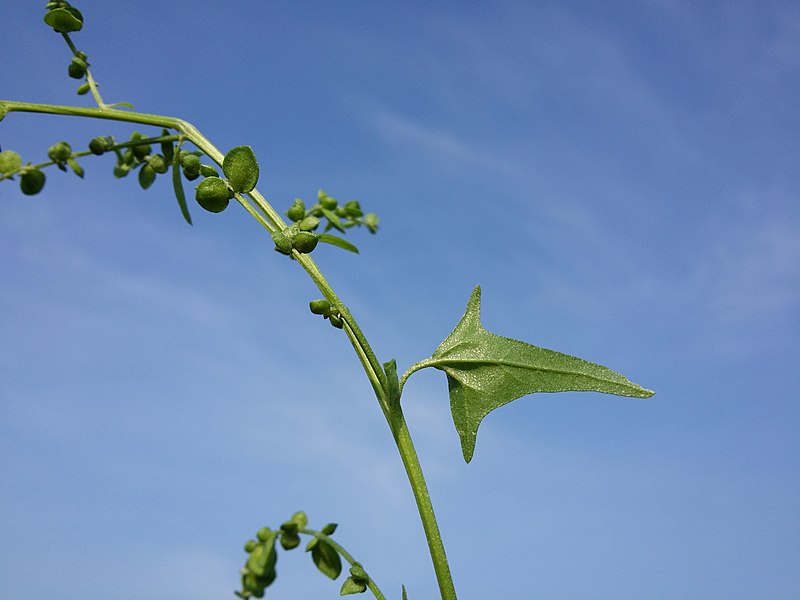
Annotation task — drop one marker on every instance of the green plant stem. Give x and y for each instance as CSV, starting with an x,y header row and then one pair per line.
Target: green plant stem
x,y
373,587
369,361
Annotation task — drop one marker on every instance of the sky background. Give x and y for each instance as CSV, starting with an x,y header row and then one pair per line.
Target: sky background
x,y
621,178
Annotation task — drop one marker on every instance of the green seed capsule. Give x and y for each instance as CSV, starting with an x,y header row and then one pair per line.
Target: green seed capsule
x,y
304,242
213,194
250,545
263,534
32,182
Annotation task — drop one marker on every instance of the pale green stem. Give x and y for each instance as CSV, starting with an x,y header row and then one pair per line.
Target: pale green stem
x,y
371,364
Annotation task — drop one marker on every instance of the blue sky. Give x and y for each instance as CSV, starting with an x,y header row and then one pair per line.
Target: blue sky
x,y
621,178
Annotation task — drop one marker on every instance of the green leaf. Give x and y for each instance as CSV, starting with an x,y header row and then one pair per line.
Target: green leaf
x,y
326,559
404,593
177,185
241,168
335,240
333,219
485,371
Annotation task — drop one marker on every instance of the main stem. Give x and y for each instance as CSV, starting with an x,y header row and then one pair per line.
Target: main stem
x,y
372,367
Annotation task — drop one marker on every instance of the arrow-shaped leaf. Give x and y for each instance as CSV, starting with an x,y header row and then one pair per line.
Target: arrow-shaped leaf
x,y
485,371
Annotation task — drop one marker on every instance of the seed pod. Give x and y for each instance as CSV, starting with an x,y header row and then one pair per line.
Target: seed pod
x,y
328,203
319,307
158,164
65,19
121,170
304,242
143,150
83,89
208,171
283,243
310,223
59,152
191,166
371,221
31,182
97,146
337,321
297,211
10,162
77,68
213,194
146,176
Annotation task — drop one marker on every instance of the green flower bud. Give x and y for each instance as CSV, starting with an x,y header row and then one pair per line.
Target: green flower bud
x,y
297,210
77,68
371,221
98,145
213,194
327,202
10,162
59,152
310,223
283,243
121,170
337,321
83,89
31,182
143,150
263,534
158,164
320,307
65,19
352,209
304,242
191,165
146,176
250,545
208,171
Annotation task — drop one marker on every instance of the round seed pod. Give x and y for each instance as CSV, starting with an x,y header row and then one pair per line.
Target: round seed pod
x,y
304,242
250,545
310,223
327,202
283,243
98,145
263,534
76,71
213,194
146,176
158,164
59,152
191,166
297,211
32,182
